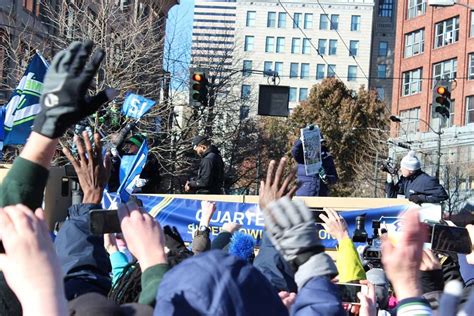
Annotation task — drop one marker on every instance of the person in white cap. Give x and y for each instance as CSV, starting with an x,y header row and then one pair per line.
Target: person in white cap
x,y
414,184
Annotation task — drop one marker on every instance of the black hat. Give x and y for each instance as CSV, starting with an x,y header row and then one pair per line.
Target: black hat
x,y
197,140
96,304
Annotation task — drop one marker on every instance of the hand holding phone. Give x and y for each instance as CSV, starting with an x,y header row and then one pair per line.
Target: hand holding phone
x,y
104,222
349,292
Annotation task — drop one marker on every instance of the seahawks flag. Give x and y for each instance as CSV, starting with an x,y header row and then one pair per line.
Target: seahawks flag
x,y
23,105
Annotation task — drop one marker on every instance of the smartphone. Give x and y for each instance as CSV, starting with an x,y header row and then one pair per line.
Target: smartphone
x,y
349,292
316,212
104,222
450,239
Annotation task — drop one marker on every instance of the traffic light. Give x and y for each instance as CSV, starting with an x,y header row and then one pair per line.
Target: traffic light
x,y
199,88
442,98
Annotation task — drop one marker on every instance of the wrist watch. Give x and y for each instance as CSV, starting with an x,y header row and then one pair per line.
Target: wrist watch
x,y
203,228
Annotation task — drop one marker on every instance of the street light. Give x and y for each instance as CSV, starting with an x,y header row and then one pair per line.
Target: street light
x,y
397,119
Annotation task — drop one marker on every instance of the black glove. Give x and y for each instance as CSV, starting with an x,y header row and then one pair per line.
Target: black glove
x,y
64,101
173,239
417,198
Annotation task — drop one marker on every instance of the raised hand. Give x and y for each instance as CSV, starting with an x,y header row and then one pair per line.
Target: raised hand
x,y
275,186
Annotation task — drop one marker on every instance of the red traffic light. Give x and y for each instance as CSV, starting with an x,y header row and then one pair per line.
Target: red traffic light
x,y
441,90
198,77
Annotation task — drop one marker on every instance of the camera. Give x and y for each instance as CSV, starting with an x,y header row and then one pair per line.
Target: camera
x,y
372,253
389,166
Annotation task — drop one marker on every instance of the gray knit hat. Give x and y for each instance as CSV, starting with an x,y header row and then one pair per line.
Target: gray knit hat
x,y
410,161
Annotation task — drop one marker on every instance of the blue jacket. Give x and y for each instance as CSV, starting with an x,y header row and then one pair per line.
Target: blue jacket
x,y
312,185
418,183
83,257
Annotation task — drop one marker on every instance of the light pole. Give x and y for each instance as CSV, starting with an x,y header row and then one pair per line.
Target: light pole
x,y
397,119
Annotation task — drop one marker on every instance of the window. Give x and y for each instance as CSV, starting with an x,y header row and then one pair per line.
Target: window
x,y
414,43
297,20
445,70
308,21
411,82
295,45
322,46
416,8
306,48
271,19
294,70
323,22
355,23
245,92
303,94
250,18
446,32
320,71
247,68
244,112
470,67
410,120
353,48
267,66
332,47
383,49
385,8
280,48
334,21
248,46
381,71
472,24
380,93
331,71
282,20
470,109
293,94
304,71
279,67
32,6
269,44
352,73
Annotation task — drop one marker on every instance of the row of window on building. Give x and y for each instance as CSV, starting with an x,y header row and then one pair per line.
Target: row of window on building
x,y
300,20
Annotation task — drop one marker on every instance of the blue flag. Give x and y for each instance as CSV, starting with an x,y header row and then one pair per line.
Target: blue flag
x,y
23,105
135,106
129,183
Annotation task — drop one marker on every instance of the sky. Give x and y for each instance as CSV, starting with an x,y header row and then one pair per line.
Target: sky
x,y
178,43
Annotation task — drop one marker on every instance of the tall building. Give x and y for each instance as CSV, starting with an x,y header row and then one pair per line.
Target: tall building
x,y
432,44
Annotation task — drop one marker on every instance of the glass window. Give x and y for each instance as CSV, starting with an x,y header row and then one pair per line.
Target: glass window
x,y
269,44
248,46
282,20
355,23
380,93
247,68
323,22
295,45
279,67
470,67
244,112
334,21
410,120
280,48
470,109
446,32
416,8
332,47
267,66
304,71
322,46
303,94
383,48
271,19
250,18
353,48
245,92
297,20
351,73
472,24
331,71
381,71
445,70
294,70
306,47
414,43
293,94
411,82
308,21
385,8
320,71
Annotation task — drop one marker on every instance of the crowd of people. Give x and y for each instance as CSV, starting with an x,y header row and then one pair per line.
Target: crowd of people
x,y
148,269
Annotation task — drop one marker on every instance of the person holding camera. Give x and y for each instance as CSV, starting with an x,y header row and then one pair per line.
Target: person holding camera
x,y
414,184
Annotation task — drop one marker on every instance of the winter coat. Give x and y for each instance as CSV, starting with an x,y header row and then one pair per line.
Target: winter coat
x,y
420,184
330,170
210,178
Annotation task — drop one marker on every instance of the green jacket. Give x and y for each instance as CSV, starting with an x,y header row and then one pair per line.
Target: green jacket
x,y
150,280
